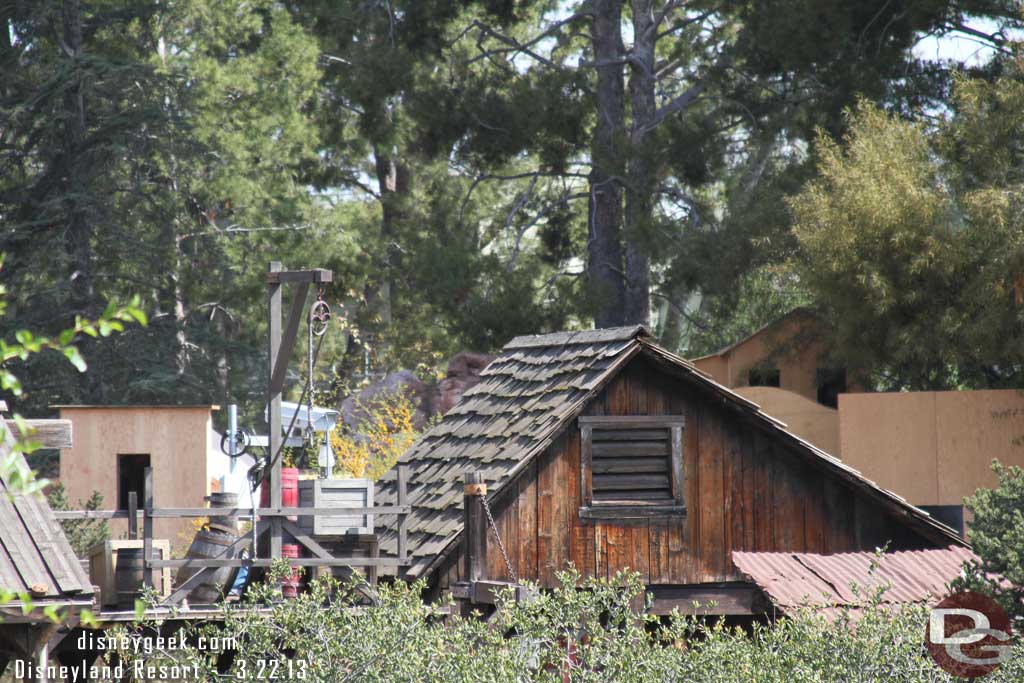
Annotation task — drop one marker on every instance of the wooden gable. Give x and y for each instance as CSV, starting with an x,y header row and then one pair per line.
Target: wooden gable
x,y
745,489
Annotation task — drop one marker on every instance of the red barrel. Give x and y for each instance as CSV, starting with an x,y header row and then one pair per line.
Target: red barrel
x,y
290,584
289,489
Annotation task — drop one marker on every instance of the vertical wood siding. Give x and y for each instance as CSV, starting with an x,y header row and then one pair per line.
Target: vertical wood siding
x,y
744,491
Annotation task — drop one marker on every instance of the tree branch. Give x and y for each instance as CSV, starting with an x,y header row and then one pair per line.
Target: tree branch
x,y
677,104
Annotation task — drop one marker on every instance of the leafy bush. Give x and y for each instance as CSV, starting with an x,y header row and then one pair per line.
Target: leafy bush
x,y
997,535
569,634
82,533
374,446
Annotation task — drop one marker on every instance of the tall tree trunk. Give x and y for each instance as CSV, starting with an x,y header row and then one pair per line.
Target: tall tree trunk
x,y
78,231
393,185
642,175
604,247
172,293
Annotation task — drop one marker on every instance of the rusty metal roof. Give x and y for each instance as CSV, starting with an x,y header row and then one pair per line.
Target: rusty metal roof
x,y
531,391
848,579
35,556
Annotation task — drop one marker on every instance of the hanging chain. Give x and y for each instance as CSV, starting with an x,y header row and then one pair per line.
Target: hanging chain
x,y
497,536
319,317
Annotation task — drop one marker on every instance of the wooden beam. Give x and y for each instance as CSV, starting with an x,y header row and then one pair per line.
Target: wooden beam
x,y
475,527
287,343
721,599
49,433
631,511
274,401
165,513
203,563
638,421
486,592
147,527
304,538
403,500
133,515
182,590
316,275
678,484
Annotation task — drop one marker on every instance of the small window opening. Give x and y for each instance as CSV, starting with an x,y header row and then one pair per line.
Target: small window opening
x,y
831,383
763,377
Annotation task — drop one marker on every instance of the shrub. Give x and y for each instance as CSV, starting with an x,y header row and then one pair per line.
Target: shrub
x,y
83,534
576,635
373,447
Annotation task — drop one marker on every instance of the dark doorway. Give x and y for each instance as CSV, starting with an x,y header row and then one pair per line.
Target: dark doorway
x,y
131,476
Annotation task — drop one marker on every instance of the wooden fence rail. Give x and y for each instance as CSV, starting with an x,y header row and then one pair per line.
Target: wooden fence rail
x,y
321,557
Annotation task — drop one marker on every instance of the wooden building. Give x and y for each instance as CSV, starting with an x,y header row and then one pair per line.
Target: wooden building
x,y
603,450
115,444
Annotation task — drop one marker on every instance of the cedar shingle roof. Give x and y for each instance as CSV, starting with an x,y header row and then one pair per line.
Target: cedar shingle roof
x,y
535,387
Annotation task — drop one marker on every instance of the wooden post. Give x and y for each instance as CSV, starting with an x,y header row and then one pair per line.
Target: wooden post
x,y
475,527
403,519
274,407
133,515
372,571
147,527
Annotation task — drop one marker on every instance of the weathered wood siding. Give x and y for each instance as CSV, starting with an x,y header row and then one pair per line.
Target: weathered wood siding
x,y
744,491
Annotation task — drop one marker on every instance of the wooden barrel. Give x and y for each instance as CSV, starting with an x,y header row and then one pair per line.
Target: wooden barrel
x,y
214,583
228,525
129,575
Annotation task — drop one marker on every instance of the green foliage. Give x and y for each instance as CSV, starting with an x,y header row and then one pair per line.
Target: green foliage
x,y
192,128
588,633
83,534
914,242
64,345
997,537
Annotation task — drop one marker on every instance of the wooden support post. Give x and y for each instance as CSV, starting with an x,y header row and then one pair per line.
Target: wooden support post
x,y
475,527
403,519
372,571
147,527
274,405
281,343
133,515
287,343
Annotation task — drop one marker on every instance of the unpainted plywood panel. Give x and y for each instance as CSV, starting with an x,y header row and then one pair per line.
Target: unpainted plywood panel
x,y
891,439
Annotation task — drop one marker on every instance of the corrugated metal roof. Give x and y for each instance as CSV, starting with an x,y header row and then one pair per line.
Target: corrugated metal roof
x,y
847,579
34,552
535,387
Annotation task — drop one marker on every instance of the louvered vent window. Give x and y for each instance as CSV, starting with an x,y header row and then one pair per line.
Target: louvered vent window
x,y
631,465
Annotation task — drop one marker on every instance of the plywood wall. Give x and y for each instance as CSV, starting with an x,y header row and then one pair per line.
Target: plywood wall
x,y
176,441
932,447
744,491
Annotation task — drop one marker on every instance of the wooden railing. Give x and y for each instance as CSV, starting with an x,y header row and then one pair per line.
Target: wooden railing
x,y
260,517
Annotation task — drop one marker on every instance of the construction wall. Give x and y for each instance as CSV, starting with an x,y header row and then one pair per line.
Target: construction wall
x,y
792,345
176,439
806,418
932,448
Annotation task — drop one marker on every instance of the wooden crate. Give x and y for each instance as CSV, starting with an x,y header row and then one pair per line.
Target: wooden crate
x,y
103,566
336,493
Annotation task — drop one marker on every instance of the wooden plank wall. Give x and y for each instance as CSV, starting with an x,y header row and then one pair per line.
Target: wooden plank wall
x,y
744,491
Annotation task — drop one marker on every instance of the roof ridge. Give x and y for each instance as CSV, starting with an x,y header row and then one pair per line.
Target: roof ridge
x,y
601,335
